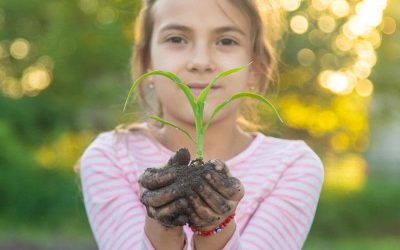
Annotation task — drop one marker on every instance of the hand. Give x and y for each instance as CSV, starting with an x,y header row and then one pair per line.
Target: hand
x,y
178,194
215,198
162,195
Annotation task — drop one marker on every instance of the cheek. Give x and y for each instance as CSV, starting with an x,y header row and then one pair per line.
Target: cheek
x,y
167,91
237,81
163,59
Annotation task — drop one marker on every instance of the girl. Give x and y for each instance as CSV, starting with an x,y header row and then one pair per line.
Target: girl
x,y
262,193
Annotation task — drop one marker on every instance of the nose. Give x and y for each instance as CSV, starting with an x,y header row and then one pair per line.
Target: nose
x,y
201,59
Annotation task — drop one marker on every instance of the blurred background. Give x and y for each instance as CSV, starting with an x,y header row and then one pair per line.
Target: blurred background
x,y
64,75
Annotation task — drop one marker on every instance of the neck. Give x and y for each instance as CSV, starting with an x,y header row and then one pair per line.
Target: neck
x,y
222,140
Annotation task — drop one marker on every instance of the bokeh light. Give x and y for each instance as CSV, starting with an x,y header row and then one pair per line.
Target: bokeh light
x,y
64,151
20,48
343,43
89,6
364,88
107,15
306,57
326,24
290,5
299,24
338,82
389,25
345,173
340,8
35,79
320,5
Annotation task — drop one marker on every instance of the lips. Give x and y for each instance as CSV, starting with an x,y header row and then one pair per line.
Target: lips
x,y
200,86
196,88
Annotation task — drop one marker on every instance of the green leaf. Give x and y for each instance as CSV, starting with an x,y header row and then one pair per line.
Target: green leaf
x,y
159,119
171,76
136,83
203,94
238,96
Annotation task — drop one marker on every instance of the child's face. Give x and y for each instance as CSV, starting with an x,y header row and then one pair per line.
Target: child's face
x,y
197,39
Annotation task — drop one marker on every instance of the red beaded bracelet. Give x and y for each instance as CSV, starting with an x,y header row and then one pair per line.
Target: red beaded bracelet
x,y
215,230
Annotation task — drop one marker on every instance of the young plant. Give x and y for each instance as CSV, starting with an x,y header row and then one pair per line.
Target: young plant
x,y
198,104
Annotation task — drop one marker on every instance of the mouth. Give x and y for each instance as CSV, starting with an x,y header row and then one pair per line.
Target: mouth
x,y
200,86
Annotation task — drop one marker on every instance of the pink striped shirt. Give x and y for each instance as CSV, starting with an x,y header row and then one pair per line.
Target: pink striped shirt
x,y
282,179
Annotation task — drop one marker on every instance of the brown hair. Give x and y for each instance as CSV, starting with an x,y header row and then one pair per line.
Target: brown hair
x,y
264,18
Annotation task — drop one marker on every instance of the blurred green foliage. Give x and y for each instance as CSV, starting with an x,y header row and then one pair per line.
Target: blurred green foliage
x,y
74,59
41,134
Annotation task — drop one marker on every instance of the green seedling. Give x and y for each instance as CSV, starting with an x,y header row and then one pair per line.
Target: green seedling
x,y
198,104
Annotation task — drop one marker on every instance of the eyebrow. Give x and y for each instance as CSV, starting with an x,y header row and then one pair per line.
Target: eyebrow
x,y
218,30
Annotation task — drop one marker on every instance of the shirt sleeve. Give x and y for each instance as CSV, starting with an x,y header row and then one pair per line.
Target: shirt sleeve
x,y
115,213
283,219
284,216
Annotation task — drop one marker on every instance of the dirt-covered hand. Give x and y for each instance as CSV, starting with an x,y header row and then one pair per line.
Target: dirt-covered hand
x,y
162,195
215,197
199,194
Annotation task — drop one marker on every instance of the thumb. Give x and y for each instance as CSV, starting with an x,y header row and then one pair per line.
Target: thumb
x,y
181,157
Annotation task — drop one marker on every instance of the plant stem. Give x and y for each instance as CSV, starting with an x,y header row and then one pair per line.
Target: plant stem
x,y
199,147
199,136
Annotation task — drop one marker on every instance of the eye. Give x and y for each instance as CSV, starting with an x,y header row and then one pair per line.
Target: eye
x,y
176,40
227,42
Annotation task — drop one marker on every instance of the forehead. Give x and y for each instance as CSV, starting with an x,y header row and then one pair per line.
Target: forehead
x,y
199,13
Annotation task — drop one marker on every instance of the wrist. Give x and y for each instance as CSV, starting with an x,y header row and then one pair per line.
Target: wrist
x,y
156,227
215,241
162,237
214,229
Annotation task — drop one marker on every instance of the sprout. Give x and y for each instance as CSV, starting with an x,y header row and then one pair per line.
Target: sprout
x,y
198,105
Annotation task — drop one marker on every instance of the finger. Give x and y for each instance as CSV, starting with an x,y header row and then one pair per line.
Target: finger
x,y
229,187
154,178
202,213
172,210
173,214
220,166
202,209
162,196
182,157
181,220
213,199
196,221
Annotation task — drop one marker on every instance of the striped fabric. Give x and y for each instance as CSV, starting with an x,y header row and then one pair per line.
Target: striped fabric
x,y
282,180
